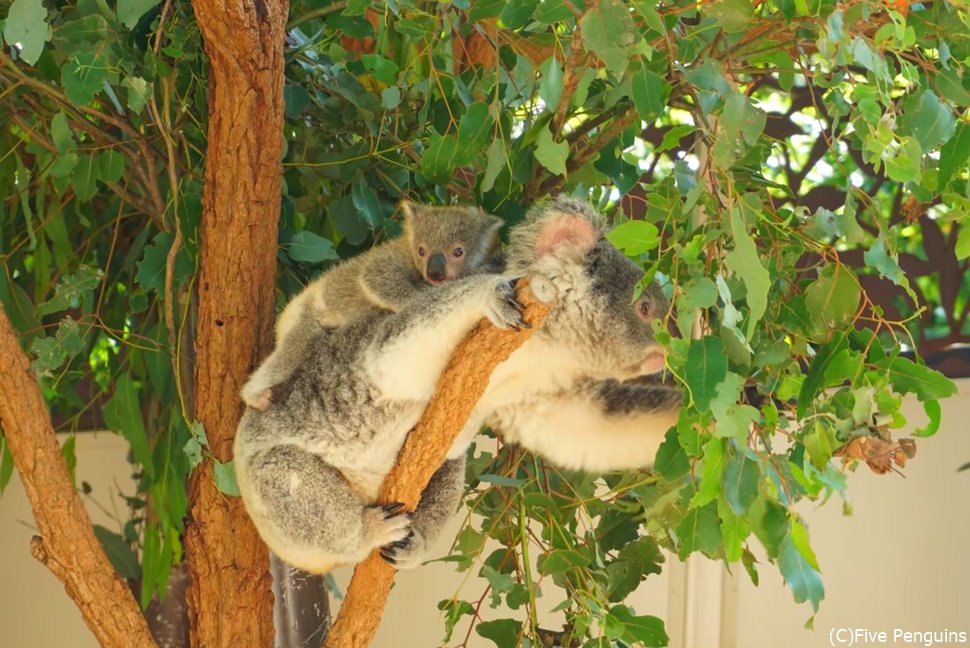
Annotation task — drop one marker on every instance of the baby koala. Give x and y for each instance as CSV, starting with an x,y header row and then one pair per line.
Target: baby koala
x,y
439,244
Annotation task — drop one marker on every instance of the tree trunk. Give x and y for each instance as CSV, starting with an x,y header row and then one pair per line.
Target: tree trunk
x,y
229,597
66,544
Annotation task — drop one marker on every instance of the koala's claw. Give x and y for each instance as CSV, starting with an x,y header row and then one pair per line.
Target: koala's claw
x,y
504,311
392,509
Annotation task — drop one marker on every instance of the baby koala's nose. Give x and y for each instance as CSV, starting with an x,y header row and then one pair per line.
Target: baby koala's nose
x,y
436,267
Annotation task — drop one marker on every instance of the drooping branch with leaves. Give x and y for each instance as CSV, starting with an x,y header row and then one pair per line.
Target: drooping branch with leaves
x,y
795,173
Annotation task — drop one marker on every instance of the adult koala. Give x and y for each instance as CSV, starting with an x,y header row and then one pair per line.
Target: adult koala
x,y
309,467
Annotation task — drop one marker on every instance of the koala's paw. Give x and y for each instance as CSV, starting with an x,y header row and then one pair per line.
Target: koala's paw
x,y
407,553
259,401
503,310
385,525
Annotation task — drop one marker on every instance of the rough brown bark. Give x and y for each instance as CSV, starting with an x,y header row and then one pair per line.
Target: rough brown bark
x,y
229,597
459,389
66,543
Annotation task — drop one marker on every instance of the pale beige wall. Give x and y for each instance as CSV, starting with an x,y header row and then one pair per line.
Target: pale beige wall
x,y
903,559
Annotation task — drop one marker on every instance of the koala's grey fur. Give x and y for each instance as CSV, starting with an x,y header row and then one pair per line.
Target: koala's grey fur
x,y
309,467
383,278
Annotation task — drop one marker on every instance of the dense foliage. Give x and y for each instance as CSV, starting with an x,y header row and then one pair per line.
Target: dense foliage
x,y
766,161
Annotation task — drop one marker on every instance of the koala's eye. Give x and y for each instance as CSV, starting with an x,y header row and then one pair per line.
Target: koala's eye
x,y
421,251
458,251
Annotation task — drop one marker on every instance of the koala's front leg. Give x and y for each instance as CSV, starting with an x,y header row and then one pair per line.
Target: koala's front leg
x,y
279,365
596,425
439,501
412,347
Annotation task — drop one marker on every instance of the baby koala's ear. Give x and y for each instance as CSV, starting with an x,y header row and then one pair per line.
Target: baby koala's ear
x,y
566,233
409,208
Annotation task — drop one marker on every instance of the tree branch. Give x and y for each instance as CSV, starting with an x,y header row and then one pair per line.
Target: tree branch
x,y
67,545
459,389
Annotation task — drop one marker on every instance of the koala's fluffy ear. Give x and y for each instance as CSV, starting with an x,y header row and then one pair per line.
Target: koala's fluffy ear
x,y
562,227
565,233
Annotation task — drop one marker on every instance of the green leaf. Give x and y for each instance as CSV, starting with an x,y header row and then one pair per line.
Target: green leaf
x,y
485,9
151,267
504,633
609,32
307,247
962,249
26,29
706,367
474,132
671,462
550,83
83,75
438,159
51,352
820,443
645,631
932,122
908,377
61,133
954,154
743,260
454,611
933,411
500,582
130,11
366,202
111,166
815,379
650,92
119,552
635,237
634,562
390,97
384,69
70,289
518,13
139,91
833,298
734,529
711,477
552,155
804,581
701,293
496,159
85,177
551,11
879,258
950,84
732,16
769,521
225,477
122,414
741,477
700,530
560,560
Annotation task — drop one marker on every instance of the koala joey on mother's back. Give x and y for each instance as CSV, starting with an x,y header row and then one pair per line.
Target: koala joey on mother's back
x,y
439,244
310,466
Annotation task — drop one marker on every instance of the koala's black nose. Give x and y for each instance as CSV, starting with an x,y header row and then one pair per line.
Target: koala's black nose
x,y
436,267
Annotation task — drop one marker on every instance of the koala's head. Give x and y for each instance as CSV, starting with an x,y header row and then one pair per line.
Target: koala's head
x,y
595,320
448,242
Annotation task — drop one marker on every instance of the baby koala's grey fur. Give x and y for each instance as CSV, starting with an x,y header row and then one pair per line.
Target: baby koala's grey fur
x,y
310,466
439,244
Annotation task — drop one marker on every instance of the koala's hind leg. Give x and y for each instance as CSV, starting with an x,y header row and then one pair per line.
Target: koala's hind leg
x,y
310,516
439,501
